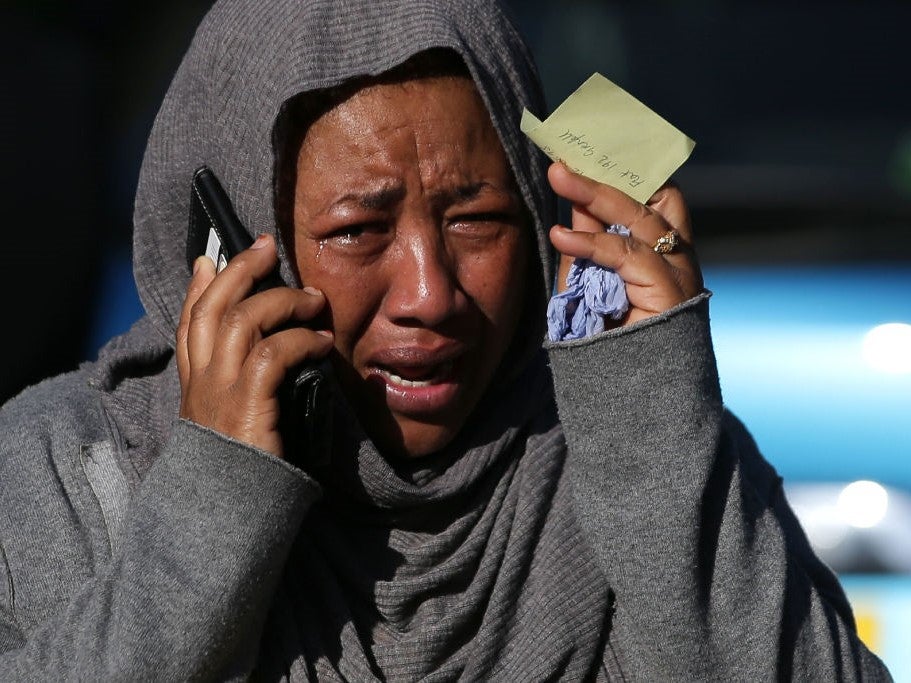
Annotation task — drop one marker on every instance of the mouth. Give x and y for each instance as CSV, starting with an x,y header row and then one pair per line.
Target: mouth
x,y
416,377
418,382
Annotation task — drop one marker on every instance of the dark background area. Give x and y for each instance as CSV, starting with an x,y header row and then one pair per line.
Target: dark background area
x,y
82,81
801,112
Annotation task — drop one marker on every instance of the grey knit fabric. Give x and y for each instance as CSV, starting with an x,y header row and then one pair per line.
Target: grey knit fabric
x,y
599,518
467,566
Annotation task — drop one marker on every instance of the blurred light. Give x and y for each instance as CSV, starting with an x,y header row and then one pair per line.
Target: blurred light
x,y
823,524
863,504
888,348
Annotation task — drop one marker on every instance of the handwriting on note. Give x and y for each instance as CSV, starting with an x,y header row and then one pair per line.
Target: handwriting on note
x,y
606,134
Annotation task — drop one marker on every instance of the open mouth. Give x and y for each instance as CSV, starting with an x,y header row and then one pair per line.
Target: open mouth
x,y
417,377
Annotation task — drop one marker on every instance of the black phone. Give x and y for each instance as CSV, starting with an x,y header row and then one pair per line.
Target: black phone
x,y
214,228
305,397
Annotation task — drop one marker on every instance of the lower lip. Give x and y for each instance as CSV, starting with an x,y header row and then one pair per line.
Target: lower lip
x,y
420,400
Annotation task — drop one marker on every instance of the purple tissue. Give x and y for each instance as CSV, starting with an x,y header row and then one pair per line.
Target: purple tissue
x,y
592,293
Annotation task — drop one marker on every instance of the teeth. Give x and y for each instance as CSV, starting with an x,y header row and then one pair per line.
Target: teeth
x,y
442,371
395,379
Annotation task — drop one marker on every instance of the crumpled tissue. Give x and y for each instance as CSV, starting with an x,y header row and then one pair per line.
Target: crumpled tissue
x,y
592,293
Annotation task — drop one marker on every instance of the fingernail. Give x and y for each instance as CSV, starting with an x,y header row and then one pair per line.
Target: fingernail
x,y
312,290
197,264
260,242
325,333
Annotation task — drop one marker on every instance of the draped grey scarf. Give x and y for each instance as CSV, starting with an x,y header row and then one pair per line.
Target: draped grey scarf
x,y
467,564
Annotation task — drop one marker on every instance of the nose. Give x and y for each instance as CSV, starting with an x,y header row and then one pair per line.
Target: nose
x,y
423,285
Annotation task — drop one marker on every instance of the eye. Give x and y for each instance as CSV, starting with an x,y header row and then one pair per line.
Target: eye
x,y
482,224
359,236
487,217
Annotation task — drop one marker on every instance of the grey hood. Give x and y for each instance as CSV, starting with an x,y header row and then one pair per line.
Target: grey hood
x,y
249,57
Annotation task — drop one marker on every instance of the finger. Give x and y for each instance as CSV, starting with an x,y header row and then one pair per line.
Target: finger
x,y
666,211
606,203
669,202
583,221
203,274
254,318
229,287
651,281
269,361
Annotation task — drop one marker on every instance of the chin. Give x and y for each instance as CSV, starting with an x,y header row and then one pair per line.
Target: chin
x,y
410,439
423,444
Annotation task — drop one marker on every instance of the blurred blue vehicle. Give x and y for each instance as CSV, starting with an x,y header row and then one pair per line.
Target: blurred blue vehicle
x,y
817,362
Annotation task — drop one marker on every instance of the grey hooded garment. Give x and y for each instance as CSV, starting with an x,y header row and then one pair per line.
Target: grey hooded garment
x,y
599,517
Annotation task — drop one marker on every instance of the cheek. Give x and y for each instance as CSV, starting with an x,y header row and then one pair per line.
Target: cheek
x,y
497,283
351,293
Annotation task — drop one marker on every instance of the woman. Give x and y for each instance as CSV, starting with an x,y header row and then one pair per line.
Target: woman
x,y
454,527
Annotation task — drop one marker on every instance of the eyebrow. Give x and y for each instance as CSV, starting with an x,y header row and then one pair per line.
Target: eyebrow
x,y
465,193
389,196
379,199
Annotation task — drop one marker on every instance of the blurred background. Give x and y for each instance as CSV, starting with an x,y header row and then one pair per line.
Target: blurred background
x,y
800,190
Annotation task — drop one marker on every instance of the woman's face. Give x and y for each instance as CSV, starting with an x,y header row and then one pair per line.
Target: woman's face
x,y
407,218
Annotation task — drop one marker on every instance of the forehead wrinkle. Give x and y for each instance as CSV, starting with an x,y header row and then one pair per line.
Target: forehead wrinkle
x,y
347,119
426,141
442,156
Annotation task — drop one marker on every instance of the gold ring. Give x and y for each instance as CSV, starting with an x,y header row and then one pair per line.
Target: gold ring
x,y
667,242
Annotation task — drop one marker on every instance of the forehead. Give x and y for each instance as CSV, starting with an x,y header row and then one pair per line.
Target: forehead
x,y
425,120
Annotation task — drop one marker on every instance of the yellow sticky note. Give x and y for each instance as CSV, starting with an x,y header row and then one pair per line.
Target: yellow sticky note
x,y
606,134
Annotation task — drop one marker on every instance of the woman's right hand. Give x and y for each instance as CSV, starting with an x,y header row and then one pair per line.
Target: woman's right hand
x,y
230,366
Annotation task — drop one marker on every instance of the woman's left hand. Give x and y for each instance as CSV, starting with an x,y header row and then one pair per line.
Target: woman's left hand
x,y
654,282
